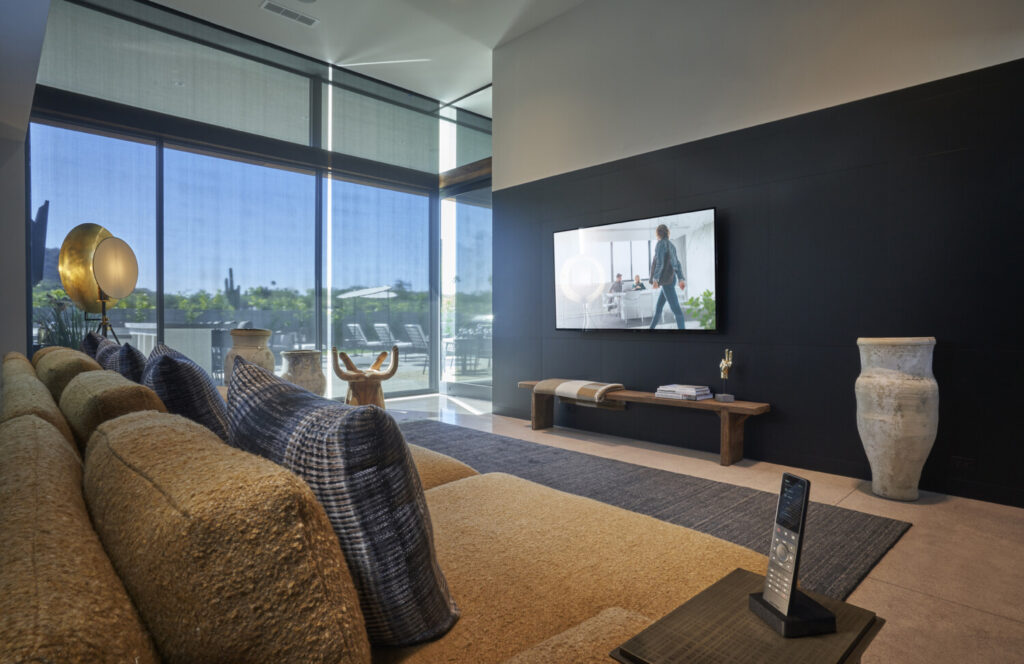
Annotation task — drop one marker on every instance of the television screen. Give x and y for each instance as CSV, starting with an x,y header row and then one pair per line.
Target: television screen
x,y
656,274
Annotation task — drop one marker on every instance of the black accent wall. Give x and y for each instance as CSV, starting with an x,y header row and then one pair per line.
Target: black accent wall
x,y
897,215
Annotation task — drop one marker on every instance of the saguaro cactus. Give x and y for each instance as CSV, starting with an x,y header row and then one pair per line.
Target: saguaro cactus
x,y
231,291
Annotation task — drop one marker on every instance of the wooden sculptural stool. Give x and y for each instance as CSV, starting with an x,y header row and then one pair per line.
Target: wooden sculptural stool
x,y
364,385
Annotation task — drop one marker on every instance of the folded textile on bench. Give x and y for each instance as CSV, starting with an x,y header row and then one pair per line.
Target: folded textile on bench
x,y
583,392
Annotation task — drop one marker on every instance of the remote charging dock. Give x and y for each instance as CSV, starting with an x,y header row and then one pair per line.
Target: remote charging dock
x,y
806,617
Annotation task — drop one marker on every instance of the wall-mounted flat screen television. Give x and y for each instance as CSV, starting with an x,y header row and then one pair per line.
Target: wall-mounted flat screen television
x,y
647,274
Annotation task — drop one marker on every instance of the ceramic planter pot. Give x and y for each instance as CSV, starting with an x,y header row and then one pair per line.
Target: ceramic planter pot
x,y
305,369
250,345
897,411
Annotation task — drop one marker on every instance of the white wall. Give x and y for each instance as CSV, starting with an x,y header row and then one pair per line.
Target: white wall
x,y
616,78
21,42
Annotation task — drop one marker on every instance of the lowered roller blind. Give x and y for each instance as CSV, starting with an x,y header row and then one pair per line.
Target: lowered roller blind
x,y
100,55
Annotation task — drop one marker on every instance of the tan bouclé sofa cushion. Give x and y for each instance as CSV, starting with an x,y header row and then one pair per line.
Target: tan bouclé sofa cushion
x,y
436,469
44,351
26,395
56,369
93,397
228,557
589,642
526,563
60,600
16,364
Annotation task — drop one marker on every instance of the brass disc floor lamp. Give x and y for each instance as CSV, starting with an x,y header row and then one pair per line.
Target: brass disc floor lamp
x,y
96,269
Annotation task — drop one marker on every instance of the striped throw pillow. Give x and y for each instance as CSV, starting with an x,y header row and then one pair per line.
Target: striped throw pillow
x,y
125,360
186,389
359,467
90,343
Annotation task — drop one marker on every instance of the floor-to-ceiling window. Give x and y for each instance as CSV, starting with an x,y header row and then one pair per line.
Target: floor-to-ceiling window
x,y
377,277
256,186
80,177
466,315
239,251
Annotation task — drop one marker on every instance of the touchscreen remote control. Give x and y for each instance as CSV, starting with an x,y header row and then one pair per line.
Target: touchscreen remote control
x,y
787,540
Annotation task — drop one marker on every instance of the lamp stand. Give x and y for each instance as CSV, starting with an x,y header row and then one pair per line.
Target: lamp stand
x,y
105,325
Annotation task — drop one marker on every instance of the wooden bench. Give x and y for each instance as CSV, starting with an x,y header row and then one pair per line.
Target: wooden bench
x,y
731,414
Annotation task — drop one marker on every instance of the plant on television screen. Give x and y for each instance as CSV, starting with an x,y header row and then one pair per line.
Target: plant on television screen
x,y
702,309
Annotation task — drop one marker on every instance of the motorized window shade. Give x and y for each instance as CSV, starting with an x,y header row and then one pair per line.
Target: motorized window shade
x,y
100,55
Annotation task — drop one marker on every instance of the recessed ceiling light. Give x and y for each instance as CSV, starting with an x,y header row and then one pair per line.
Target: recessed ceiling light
x,y
382,62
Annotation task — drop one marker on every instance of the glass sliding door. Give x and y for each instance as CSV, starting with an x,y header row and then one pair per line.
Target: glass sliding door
x,y
239,245
466,314
78,177
377,279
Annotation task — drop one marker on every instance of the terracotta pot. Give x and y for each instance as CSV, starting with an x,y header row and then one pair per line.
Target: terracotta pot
x,y
250,345
305,369
897,411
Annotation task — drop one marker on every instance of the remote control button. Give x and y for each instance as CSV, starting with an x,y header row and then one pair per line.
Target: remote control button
x,y
782,551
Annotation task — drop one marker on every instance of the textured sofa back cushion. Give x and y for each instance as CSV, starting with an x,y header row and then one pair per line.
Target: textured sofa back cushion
x,y
186,389
43,352
228,557
56,369
359,466
60,600
124,359
16,364
26,395
93,397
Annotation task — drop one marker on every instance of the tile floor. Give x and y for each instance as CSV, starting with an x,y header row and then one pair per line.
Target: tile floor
x,y
951,590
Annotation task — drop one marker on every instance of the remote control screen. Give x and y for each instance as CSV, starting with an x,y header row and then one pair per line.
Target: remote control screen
x,y
791,503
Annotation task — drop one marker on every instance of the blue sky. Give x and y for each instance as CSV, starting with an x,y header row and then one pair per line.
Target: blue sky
x,y
221,213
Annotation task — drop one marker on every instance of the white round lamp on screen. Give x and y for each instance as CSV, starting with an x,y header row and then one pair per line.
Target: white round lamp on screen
x,y
116,272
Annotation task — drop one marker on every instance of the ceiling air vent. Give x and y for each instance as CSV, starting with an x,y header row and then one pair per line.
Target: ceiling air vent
x,y
280,10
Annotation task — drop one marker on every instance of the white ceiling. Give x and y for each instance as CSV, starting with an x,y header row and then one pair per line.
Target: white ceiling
x,y
446,44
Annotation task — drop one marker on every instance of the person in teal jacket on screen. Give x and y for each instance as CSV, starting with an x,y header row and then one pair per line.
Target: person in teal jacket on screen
x,y
666,271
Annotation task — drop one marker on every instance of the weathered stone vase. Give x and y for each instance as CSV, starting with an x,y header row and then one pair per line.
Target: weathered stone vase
x,y
897,411
251,346
304,368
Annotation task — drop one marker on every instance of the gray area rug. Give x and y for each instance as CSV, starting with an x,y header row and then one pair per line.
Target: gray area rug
x,y
840,547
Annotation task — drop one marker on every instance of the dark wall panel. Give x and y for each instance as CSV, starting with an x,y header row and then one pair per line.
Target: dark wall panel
x,y
898,215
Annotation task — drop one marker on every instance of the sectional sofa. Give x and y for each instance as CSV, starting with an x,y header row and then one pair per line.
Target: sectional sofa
x,y
131,535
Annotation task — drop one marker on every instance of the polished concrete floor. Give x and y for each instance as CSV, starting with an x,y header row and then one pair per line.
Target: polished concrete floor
x,y
951,590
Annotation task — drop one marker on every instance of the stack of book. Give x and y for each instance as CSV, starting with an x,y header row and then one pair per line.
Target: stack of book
x,y
688,392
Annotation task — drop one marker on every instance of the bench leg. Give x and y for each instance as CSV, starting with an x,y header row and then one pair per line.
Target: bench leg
x,y
542,411
732,437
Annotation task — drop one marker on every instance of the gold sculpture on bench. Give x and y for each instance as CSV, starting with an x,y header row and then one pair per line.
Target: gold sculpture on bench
x,y
364,385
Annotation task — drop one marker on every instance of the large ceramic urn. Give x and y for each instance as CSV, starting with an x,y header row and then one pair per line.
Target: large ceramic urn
x,y
251,346
897,411
305,369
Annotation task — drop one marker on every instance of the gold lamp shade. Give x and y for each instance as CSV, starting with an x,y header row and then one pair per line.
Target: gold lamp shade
x,y
75,265
115,268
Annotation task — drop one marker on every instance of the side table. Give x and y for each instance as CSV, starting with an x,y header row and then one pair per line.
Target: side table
x,y
717,626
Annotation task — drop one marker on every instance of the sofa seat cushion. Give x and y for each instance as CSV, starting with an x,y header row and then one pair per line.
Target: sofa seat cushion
x,y
26,395
124,359
586,643
56,369
186,389
358,464
228,557
60,600
16,364
527,562
436,469
93,397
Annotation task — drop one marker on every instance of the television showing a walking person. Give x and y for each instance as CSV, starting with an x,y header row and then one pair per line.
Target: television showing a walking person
x,y
670,268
